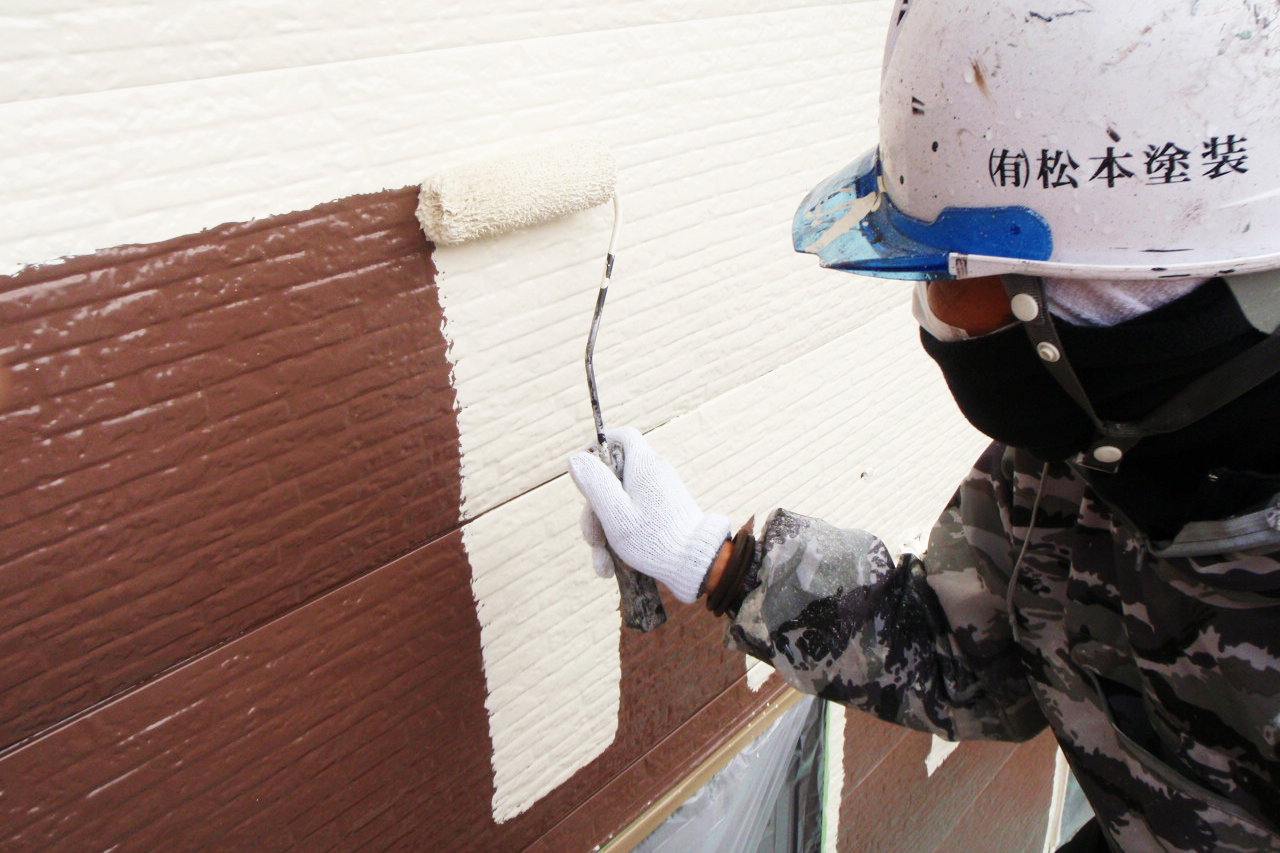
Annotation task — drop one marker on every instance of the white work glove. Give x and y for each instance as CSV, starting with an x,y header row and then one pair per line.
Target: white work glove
x,y
650,519
593,533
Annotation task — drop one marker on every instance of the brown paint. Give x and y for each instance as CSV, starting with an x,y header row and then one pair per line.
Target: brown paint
x,y
867,740
358,718
980,77
898,807
206,433
354,723
1012,813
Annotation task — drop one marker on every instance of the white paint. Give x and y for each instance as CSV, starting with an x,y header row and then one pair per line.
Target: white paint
x,y
939,751
517,329
67,47
550,630
758,673
166,156
833,787
869,400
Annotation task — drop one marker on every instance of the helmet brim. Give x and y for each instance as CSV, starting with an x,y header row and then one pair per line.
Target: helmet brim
x,y
852,224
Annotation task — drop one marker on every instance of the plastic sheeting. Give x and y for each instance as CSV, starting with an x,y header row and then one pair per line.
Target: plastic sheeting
x,y
766,800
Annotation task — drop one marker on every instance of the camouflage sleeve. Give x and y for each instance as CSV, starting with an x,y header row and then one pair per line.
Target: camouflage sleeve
x,y
923,644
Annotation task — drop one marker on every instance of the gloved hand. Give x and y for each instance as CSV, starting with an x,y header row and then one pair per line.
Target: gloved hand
x,y
593,533
650,519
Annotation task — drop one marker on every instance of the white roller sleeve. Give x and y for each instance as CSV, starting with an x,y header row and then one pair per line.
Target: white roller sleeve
x,y
495,196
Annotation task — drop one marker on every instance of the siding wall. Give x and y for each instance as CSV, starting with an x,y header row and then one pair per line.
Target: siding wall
x,y
289,559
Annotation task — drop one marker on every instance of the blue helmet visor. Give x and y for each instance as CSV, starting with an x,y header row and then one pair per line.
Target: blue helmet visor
x,y
851,224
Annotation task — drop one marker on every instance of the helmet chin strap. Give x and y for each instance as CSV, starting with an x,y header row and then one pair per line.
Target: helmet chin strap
x,y
1259,298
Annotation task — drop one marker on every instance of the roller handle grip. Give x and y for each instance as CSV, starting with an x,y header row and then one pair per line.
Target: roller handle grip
x,y
642,608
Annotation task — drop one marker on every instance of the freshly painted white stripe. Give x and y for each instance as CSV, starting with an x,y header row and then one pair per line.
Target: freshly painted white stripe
x,y
939,751
758,673
833,789
550,630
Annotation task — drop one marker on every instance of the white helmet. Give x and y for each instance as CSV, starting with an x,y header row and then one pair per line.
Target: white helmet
x,y
1070,139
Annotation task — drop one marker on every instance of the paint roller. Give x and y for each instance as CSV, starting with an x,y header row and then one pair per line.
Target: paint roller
x,y
486,199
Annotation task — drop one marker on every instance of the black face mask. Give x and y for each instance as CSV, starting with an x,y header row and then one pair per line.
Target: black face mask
x,y
1127,370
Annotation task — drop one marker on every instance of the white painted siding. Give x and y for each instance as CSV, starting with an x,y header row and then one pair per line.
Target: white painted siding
x,y
766,380
70,47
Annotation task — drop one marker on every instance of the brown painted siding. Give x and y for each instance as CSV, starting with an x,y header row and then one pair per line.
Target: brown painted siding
x,y
324,724
987,796
1012,811
354,723
206,433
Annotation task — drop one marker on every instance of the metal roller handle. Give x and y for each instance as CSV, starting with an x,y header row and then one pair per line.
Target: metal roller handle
x,y
642,608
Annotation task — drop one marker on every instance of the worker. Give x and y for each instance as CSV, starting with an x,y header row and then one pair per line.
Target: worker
x,y
1086,197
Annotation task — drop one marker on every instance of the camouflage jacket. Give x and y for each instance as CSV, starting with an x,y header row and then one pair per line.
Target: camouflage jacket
x,y
1156,665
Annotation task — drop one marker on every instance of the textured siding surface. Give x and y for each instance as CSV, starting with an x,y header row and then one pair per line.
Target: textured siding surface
x,y
986,796
203,436
289,557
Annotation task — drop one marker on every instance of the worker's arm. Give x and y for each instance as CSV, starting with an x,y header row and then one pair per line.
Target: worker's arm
x,y
921,642
928,646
